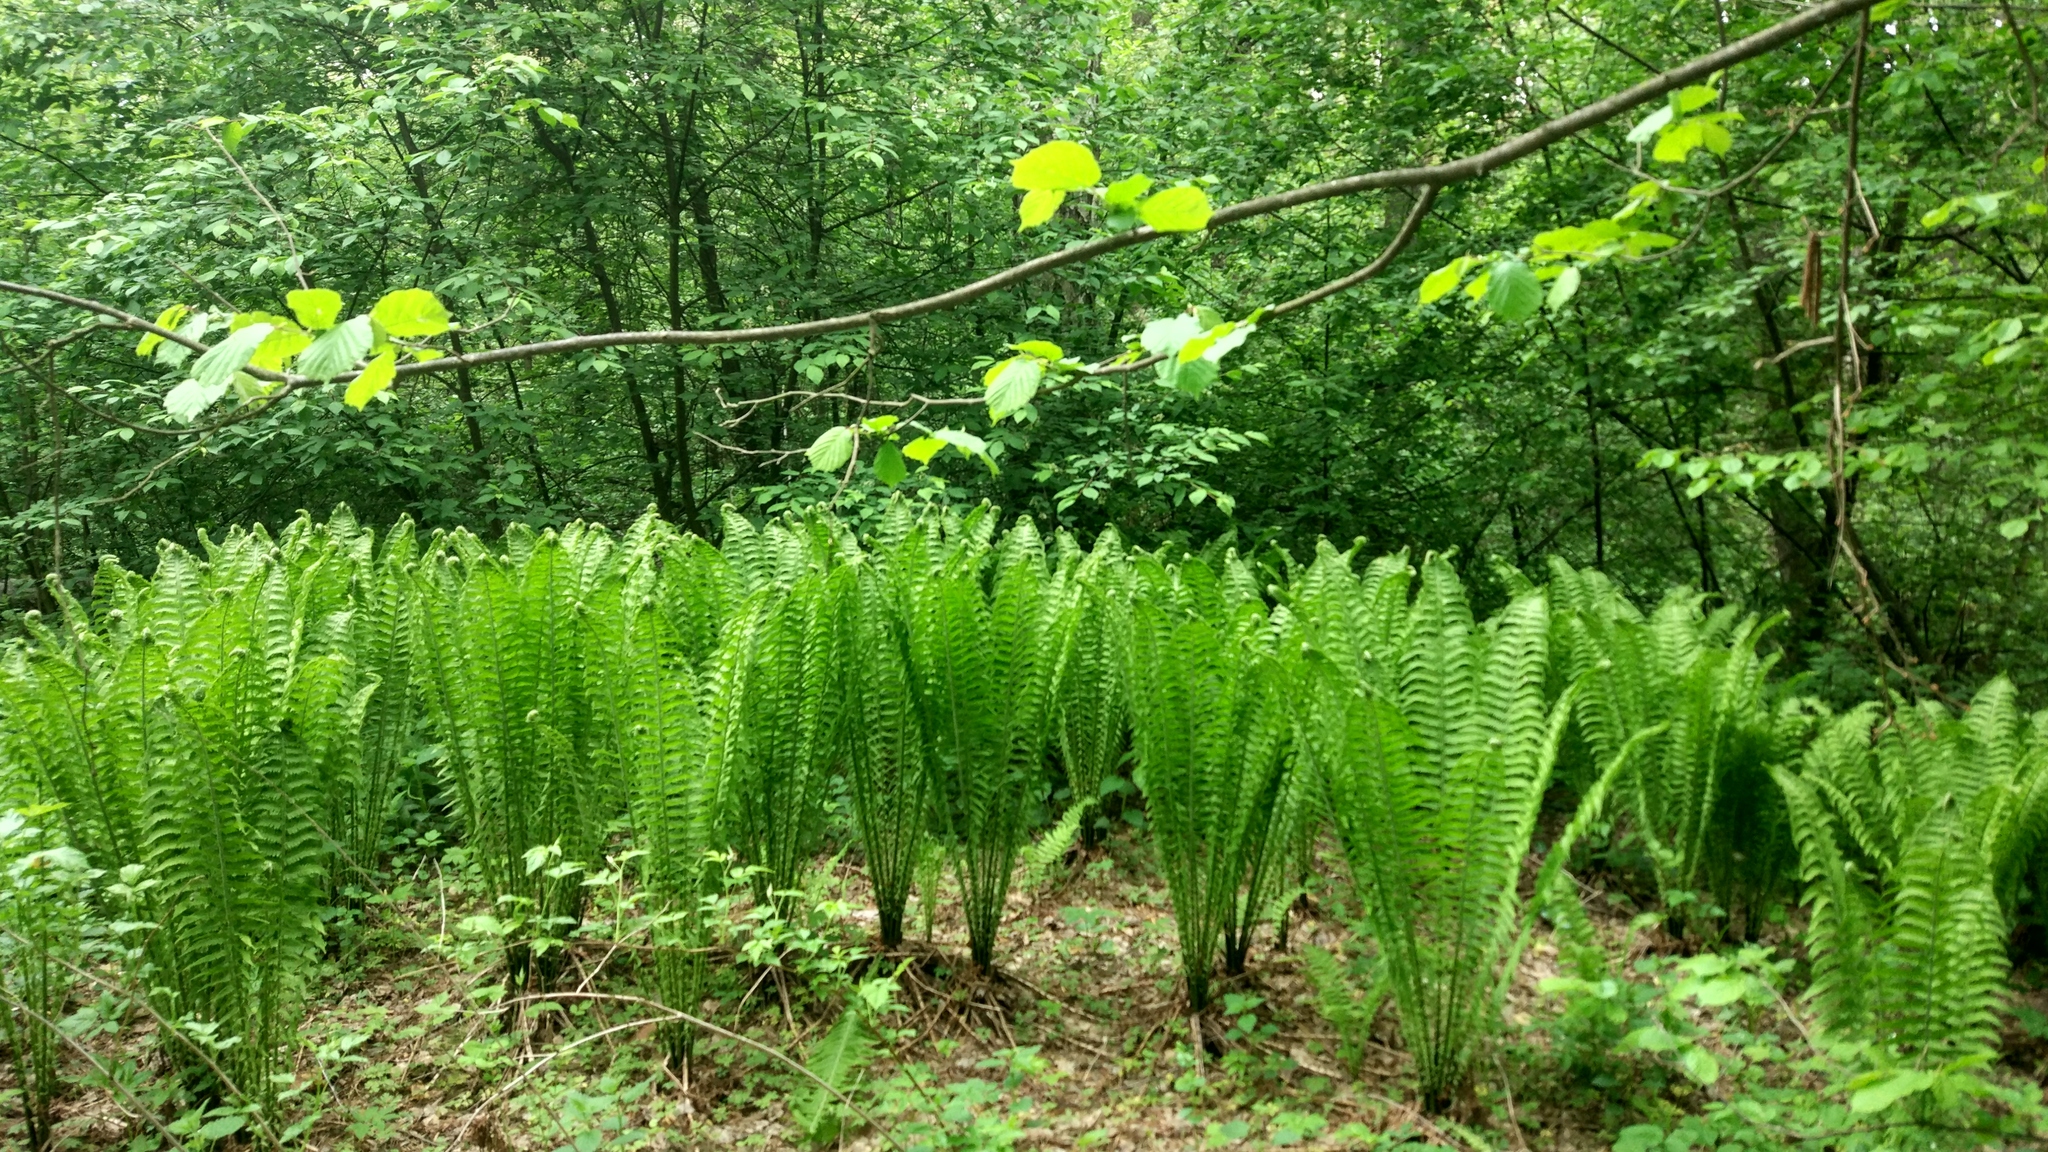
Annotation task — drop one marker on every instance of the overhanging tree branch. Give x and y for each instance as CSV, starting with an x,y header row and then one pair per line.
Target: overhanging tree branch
x,y
1429,177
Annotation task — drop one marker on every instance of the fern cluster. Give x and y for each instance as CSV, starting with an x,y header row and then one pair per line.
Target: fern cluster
x,y
1701,799
200,734
1913,835
225,737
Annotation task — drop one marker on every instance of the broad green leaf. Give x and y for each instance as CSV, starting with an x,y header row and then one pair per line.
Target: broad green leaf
x,y
1122,196
889,466
1038,206
285,341
1440,283
1513,292
1678,143
880,423
1563,288
1055,166
222,1127
1650,125
837,1060
231,136
832,449
1639,1138
212,372
1193,377
1885,1093
1181,209
1695,97
1011,384
1700,1064
1480,283
1044,349
410,313
924,448
2014,529
1167,334
969,445
336,350
1722,991
316,308
1641,242
375,377
168,320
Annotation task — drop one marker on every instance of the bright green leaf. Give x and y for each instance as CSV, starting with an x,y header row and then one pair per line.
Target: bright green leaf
x,y
889,466
1694,97
923,448
2014,529
1700,1064
832,449
1122,196
285,341
222,1127
1513,293
168,320
1439,283
213,371
1650,125
1038,206
1563,288
1181,209
1011,384
1165,335
336,350
375,377
1055,166
409,313
316,308
1044,349
1674,145
1886,1093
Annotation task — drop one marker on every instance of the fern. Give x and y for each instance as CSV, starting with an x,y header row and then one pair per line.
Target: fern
x,y
885,741
777,714
504,677
1433,771
1913,835
1090,696
1699,796
838,1059
1211,746
647,706
982,674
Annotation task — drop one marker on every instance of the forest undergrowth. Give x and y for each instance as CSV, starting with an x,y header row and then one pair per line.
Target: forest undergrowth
x,y
945,835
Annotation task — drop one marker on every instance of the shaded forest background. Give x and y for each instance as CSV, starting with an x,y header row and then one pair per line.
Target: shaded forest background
x,y
558,168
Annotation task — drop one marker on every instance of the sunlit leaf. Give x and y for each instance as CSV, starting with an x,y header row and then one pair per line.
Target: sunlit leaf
x,y
1011,384
316,308
1055,166
371,382
832,449
1181,209
336,350
168,320
410,313
1513,292
889,466
1038,206
1122,196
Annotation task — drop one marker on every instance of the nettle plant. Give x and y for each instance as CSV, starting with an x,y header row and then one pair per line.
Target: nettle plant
x,y
314,342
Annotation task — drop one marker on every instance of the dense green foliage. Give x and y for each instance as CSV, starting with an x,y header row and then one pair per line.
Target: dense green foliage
x,y
209,737
674,359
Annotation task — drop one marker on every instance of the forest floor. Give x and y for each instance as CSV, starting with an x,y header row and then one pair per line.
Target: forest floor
x,y
1081,1039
